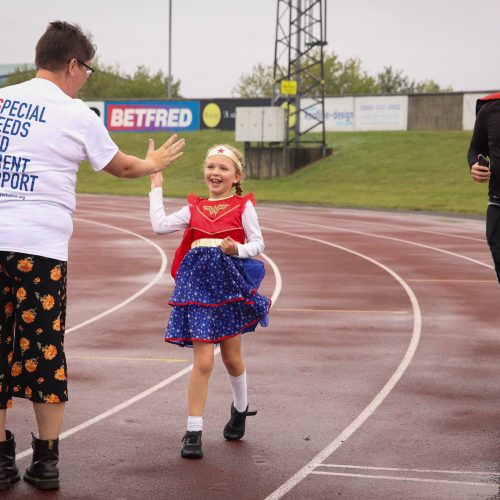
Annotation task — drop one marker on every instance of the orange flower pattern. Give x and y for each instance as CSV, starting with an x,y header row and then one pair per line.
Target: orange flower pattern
x,y
25,265
24,344
32,322
49,351
29,315
48,302
20,294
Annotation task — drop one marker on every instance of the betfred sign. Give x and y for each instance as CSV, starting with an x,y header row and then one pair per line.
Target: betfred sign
x,y
152,116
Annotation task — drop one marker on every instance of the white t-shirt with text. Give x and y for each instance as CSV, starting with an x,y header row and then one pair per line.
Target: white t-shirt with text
x,y
44,136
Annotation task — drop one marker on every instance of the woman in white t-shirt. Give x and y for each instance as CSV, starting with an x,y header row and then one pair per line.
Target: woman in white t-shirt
x,y
45,133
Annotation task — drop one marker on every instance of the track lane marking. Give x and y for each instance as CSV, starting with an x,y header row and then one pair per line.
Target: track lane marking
x,y
391,238
407,228
401,478
130,299
402,469
431,280
356,311
380,396
124,358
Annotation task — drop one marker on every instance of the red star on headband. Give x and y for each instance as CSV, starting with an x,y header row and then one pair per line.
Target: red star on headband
x,y
221,150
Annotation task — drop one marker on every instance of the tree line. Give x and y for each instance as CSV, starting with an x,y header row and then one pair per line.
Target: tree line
x,y
340,78
110,82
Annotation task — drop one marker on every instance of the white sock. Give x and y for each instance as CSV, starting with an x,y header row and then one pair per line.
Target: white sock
x,y
194,423
240,393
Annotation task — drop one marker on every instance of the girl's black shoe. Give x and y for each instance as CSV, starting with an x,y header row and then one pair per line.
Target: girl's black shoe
x,y
192,445
235,428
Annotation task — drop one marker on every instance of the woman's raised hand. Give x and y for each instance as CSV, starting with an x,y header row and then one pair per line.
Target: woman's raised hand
x,y
166,154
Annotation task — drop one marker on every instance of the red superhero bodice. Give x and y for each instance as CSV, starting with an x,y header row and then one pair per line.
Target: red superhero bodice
x,y
212,219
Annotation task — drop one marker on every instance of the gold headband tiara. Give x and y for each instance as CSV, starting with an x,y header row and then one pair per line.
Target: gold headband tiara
x,y
222,150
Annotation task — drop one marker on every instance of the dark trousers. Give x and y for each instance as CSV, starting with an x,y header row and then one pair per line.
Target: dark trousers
x,y
493,235
32,318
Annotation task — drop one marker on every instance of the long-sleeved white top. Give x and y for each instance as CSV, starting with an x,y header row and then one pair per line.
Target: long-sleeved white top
x,y
165,224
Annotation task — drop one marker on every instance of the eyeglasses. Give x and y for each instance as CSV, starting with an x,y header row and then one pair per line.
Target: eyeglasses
x,y
90,71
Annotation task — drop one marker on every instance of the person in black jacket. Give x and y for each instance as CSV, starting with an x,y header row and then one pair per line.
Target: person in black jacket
x,y
486,141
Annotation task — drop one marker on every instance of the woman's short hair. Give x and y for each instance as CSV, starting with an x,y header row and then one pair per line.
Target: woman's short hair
x,y
60,43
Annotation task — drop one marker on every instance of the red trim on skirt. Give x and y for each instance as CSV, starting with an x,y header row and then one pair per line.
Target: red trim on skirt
x,y
211,341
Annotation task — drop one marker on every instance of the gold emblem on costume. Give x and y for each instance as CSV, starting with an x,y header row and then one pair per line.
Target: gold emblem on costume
x,y
215,209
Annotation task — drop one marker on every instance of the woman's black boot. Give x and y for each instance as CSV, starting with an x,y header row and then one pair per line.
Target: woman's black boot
x,y
43,472
8,470
235,428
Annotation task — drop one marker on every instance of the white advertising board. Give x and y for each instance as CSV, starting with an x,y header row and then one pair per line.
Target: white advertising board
x,y
381,113
339,114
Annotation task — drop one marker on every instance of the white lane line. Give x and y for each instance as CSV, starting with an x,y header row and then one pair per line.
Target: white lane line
x,y
397,218
348,311
277,278
430,280
144,289
411,479
391,238
115,409
398,227
383,393
125,358
399,469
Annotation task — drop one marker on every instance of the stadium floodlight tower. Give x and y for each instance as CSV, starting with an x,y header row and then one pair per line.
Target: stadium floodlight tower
x,y
282,131
299,69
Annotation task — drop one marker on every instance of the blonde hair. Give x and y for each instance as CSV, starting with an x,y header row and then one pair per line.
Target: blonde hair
x,y
235,155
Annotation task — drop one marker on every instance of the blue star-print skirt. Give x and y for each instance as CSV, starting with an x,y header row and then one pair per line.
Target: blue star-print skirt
x,y
215,298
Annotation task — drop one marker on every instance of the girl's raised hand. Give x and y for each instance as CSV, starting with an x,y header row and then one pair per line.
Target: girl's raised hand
x,y
156,180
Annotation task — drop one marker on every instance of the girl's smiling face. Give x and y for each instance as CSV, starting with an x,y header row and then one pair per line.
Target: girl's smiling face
x,y
220,175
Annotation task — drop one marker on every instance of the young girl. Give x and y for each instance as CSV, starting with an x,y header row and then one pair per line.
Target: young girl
x,y
215,299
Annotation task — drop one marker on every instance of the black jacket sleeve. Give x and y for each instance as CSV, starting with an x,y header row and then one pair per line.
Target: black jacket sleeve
x,y
479,141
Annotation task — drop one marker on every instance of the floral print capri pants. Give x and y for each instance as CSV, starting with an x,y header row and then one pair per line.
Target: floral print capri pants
x,y
32,317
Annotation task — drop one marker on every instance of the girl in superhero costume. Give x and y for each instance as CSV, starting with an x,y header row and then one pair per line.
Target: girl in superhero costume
x,y
215,299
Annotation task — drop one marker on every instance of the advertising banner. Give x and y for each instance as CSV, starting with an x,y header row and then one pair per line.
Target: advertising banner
x,y
339,114
381,113
221,113
97,107
152,116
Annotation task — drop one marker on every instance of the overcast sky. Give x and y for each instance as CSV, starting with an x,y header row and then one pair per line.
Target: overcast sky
x,y
454,42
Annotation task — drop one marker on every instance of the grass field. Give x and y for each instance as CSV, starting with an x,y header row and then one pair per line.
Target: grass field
x,y
409,170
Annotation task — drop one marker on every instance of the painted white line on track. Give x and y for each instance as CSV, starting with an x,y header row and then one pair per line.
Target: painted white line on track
x,y
400,478
391,238
400,469
130,299
277,277
382,394
406,228
115,409
348,311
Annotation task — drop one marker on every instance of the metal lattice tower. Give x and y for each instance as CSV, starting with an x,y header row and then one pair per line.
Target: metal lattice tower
x,y
298,56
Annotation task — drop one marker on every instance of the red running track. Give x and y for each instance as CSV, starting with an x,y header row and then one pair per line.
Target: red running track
x,y
377,378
